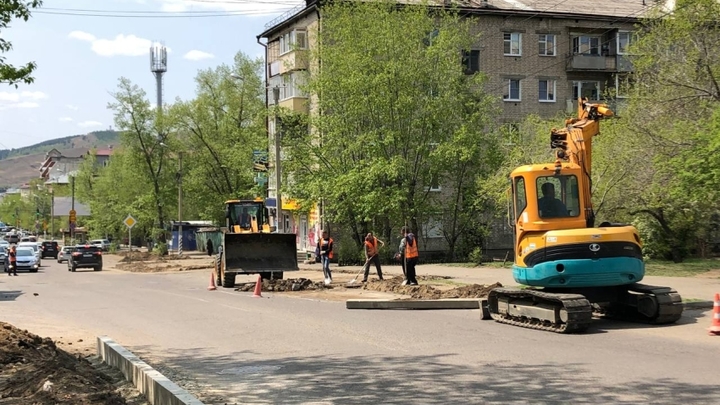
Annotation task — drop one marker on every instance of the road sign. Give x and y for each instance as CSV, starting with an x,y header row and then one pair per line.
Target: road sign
x,y
129,221
260,160
72,216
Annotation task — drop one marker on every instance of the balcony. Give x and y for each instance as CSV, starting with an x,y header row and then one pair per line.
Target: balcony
x,y
293,60
297,104
592,62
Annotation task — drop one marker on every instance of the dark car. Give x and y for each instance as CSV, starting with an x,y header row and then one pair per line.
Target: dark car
x,y
49,249
85,256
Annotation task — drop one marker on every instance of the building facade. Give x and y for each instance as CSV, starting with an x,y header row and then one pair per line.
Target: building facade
x,y
538,57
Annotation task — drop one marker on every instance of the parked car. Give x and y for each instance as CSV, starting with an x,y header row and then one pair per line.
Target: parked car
x,y
26,260
35,247
103,244
85,256
5,243
49,249
65,253
28,239
3,253
12,237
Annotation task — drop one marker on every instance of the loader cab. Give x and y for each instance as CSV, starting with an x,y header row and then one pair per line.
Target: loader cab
x,y
249,216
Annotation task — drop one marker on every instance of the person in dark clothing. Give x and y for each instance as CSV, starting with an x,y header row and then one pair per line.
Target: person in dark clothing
x,y
12,259
325,250
408,255
209,246
372,255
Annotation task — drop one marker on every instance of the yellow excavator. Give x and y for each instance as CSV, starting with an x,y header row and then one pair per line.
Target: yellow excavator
x,y
250,247
574,269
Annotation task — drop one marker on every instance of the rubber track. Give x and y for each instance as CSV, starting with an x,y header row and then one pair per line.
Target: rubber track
x,y
670,306
578,309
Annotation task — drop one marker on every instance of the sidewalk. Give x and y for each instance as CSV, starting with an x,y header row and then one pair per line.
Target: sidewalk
x,y
690,288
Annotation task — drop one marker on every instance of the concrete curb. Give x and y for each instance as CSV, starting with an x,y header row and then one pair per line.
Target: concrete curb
x,y
157,388
450,303
698,305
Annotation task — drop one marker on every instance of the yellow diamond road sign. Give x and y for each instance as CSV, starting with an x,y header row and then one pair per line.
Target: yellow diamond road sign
x,y
129,221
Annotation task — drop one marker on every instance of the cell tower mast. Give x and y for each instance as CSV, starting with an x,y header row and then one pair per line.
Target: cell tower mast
x,y
158,65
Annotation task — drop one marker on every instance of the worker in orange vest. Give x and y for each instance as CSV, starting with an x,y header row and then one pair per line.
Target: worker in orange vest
x,y
372,255
325,249
408,255
12,260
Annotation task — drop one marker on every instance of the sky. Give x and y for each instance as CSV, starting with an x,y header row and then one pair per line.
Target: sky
x,y
83,47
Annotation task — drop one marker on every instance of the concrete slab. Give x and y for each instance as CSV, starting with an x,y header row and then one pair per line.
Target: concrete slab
x,y
449,303
157,388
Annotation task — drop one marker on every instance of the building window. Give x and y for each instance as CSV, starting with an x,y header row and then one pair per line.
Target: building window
x,y
471,61
291,85
547,44
585,45
546,91
591,90
624,39
433,229
512,90
295,39
513,43
622,85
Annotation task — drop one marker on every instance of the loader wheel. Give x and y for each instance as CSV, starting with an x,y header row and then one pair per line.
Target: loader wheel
x,y
228,281
276,275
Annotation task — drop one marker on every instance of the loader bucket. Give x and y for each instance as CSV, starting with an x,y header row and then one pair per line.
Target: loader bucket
x,y
253,252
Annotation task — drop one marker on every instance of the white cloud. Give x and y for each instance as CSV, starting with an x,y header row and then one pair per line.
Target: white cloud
x,y
121,45
65,119
245,7
22,99
198,55
72,107
87,124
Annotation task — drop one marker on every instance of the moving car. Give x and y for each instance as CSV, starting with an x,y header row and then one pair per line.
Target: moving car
x,y
35,247
26,260
85,256
103,244
49,249
65,253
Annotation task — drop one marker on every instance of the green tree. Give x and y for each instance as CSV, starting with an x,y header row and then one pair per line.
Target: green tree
x,y
145,141
219,130
396,116
9,10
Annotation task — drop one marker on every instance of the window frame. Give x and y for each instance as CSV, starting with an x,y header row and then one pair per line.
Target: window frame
x,y
468,56
617,41
545,42
576,47
509,90
578,94
510,41
288,41
548,91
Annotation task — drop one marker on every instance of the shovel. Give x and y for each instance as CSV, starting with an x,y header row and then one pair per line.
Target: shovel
x,y
354,280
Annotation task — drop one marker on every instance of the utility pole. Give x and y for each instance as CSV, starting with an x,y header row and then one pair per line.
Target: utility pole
x,y
180,234
52,213
279,226
72,210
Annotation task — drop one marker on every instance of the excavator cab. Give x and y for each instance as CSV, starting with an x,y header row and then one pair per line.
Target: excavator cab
x,y
250,246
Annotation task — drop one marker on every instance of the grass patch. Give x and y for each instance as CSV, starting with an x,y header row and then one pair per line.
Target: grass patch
x,y
688,268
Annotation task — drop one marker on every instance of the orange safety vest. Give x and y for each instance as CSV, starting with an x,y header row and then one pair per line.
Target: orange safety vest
x,y
411,250
330,241
371,247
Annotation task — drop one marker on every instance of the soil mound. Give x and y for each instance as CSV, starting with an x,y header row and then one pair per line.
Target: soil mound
x,y
34,371
290,284
427,292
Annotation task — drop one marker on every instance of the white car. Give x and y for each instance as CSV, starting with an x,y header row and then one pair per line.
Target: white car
x,y
103,244
26,260
35,246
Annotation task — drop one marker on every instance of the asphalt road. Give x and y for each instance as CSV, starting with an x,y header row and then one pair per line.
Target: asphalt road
x,y
227,347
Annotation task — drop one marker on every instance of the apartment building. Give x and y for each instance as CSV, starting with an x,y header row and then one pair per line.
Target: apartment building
x,y
539,57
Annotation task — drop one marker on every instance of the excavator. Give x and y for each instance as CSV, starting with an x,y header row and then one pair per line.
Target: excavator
x,y
574,270
250,247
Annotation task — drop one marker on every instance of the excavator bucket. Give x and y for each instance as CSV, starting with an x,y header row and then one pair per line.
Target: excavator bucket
x,y
260,252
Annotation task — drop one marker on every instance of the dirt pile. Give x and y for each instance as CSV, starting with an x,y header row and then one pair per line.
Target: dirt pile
x,y
428,292
290,284
34,371
135,256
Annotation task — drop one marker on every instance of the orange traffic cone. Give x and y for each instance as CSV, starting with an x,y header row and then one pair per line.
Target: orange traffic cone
x,y
258,288
714,330
212,287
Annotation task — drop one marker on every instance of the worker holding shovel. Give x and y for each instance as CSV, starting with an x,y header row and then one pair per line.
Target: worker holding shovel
x,y
372,255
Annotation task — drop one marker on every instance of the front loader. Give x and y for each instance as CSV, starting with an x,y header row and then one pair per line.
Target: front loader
x,y
249,246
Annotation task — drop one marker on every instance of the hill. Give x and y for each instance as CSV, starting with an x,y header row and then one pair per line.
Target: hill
x,y
18,166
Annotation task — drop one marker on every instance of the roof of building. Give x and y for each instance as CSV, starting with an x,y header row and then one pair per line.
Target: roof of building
x,y
104,152
611,10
